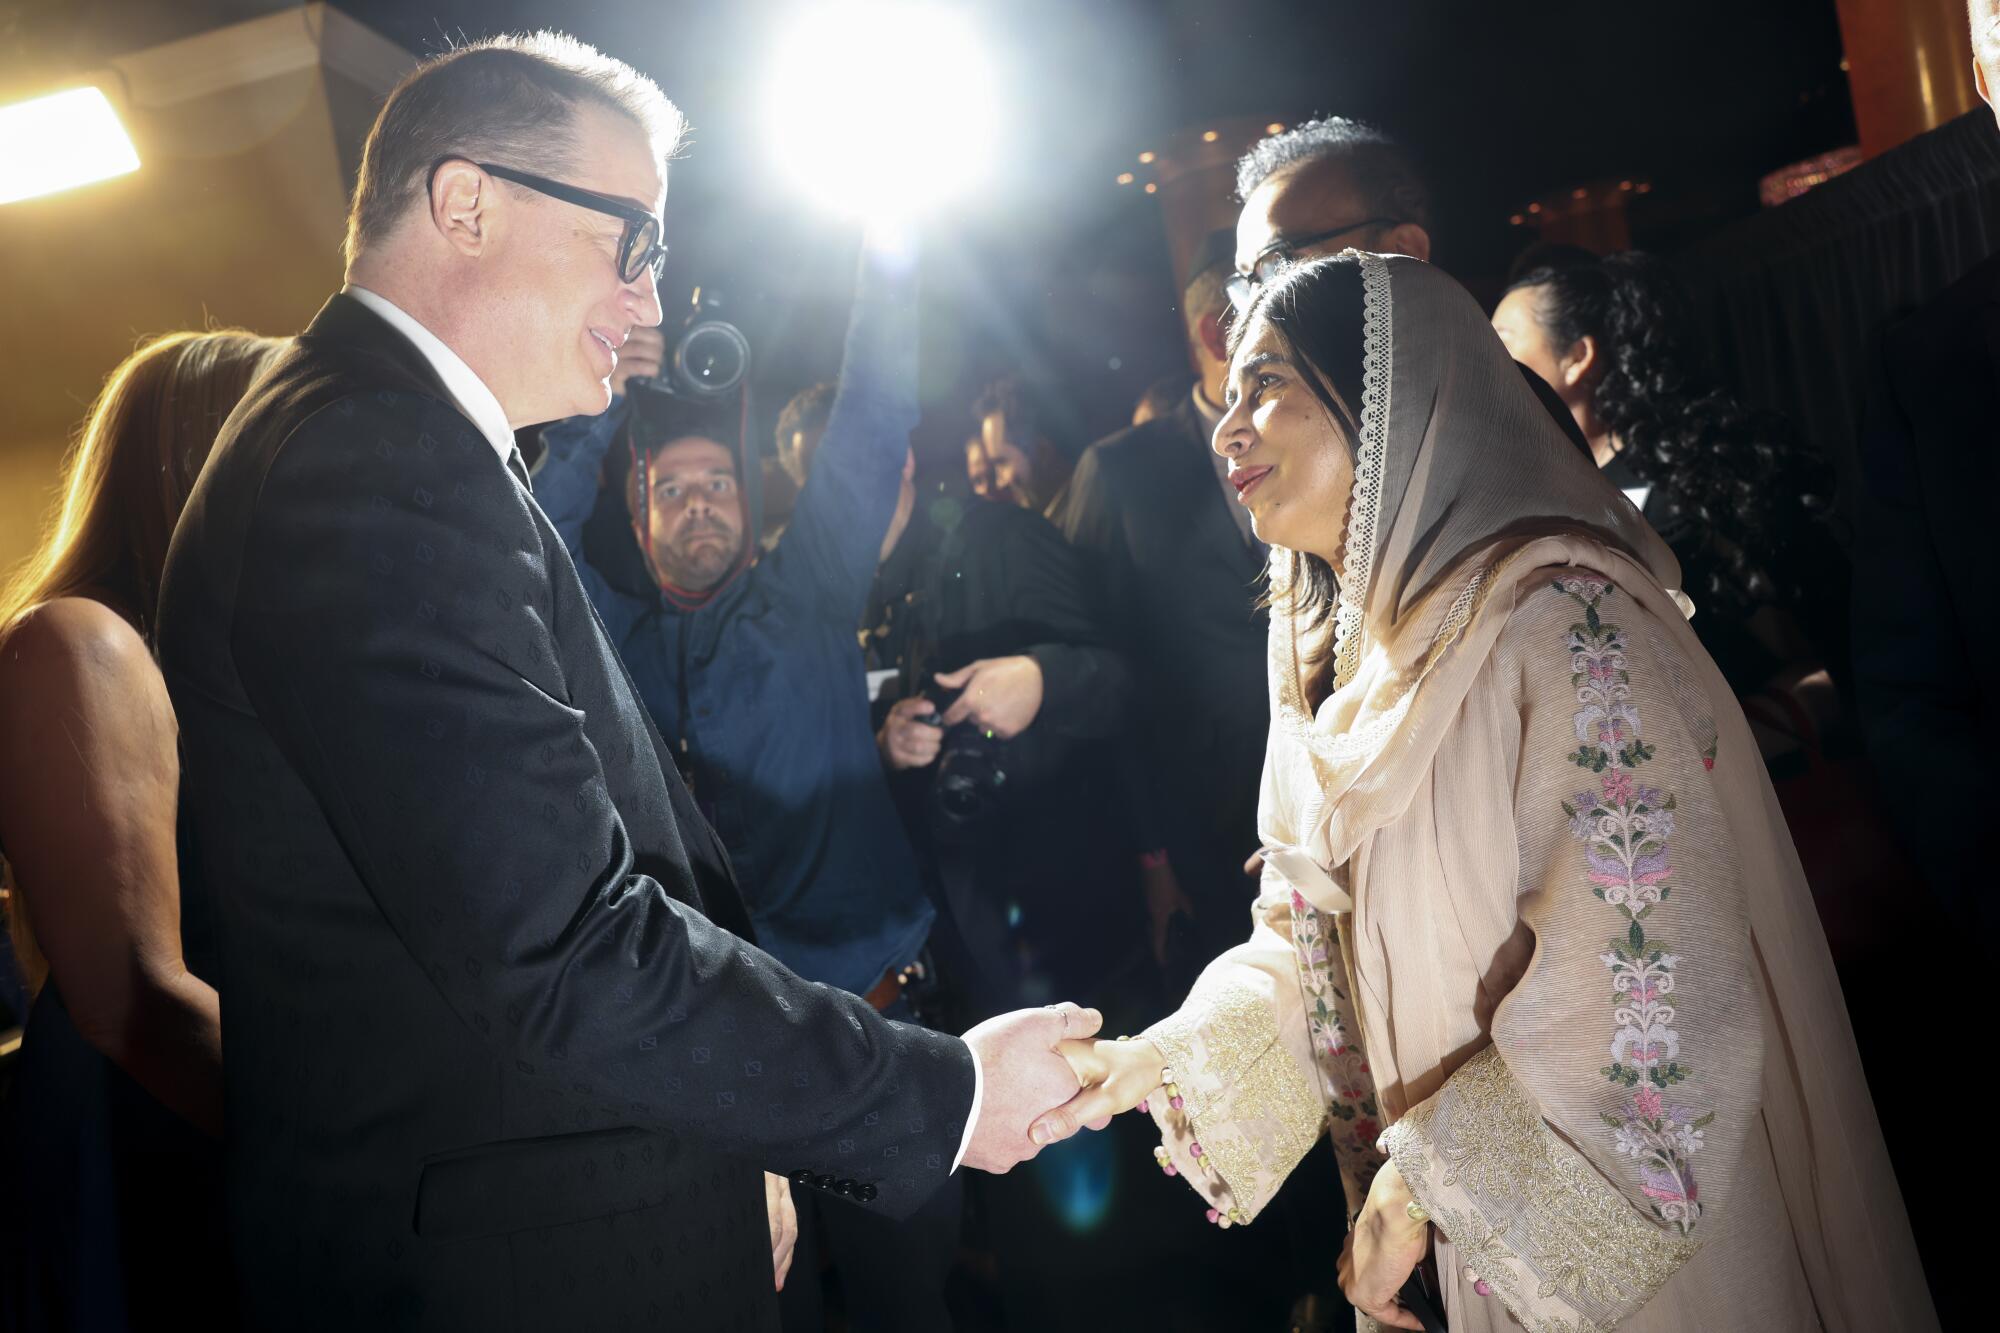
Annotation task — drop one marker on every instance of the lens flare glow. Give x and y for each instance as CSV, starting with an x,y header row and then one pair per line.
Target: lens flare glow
x,y
883,111
61,141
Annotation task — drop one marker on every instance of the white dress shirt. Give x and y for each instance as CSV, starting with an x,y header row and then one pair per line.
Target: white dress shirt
x,y
474,399
467,390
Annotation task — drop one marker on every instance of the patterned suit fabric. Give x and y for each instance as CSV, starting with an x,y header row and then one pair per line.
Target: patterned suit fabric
x,y
495,1056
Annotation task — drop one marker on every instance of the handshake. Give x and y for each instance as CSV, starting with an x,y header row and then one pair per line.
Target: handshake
x,y
1043,1079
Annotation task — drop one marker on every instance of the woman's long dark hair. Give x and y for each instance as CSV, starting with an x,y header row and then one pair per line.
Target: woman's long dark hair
x,y
1736,490
1316,312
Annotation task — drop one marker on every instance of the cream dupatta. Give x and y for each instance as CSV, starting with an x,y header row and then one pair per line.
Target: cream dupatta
x,y
1528,791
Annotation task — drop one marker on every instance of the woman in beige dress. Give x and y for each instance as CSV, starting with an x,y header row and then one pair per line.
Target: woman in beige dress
x,y
1532,941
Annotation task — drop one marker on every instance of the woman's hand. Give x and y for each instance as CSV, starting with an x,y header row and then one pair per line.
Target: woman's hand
x,y
1384,1246
1116,1076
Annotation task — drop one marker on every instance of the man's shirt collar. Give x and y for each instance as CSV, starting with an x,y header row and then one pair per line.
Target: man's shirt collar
x,y
468,391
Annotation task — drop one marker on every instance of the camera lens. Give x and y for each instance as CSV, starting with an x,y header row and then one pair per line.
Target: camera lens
x,y
711,358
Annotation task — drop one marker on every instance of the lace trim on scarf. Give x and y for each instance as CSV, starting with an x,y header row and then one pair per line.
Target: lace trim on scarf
x,y
1364,505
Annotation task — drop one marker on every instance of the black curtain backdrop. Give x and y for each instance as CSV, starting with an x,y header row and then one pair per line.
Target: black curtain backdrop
x,y
1795,298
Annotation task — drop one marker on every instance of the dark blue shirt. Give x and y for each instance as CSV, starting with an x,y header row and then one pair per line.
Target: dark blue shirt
x,y
762,690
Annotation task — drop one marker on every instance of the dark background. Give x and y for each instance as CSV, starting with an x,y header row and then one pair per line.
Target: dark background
x,y
1056,271
1059,273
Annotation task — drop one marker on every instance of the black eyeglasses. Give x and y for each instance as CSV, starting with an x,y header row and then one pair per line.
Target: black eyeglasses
x,y
639,248
1280,254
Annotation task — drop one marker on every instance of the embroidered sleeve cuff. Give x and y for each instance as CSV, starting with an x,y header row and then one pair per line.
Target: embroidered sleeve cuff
x,y
1247,1113
1531,1217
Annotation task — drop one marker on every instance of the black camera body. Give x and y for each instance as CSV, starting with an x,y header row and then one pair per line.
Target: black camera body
x,y
708,360
970,775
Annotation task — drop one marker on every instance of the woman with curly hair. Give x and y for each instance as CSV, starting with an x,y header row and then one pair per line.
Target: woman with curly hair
x,y
110,1166
1731,490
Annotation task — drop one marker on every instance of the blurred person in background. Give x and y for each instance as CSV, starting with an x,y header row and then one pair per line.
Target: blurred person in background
x,y
113,1216
1175,565
998,730
749,666
1735,494
1012,456
1162,396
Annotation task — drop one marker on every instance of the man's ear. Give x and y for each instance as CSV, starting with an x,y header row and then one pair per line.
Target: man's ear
x,y
1407,238
1979,82
1579,363
1213,340
460,200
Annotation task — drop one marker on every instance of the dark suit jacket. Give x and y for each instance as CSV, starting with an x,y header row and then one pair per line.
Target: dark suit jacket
x,y
1926,642
1181,585
495,1059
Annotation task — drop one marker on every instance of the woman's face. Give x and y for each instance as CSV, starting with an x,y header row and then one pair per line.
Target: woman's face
x,y
1289,460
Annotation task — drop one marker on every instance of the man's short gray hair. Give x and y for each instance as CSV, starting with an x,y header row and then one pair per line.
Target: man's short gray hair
x,y
510,100
1382,172
1206,294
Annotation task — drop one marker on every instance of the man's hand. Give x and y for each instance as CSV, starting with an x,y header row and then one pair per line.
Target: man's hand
x,y
784,1219
1383,1247
906,739
1165,899
997,694
1022,1076
644,353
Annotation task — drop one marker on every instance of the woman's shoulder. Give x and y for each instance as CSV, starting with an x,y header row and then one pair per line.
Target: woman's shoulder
x,y
76,647
1565,609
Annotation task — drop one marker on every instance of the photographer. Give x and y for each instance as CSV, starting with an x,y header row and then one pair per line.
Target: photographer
x,y
749,668
997,727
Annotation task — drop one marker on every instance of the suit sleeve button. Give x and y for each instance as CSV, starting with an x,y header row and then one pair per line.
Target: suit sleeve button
x,y
865,1193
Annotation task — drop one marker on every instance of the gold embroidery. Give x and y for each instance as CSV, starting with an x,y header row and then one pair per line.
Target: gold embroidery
x,y
1544,1225
1246,1100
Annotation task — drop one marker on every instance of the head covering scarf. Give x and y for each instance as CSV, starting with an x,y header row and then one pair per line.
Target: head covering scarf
x,y
1466,497
1460,475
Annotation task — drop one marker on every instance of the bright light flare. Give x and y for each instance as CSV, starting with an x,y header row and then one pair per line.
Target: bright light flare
x,y
59,142
883,111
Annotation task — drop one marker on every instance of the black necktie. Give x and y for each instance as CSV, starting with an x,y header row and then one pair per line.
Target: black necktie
x,y
519,467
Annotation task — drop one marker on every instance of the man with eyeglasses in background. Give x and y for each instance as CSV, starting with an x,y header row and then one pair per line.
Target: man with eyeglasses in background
x,y
1319,188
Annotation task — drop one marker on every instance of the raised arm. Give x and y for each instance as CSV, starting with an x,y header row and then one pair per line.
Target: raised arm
x,y
89,785
1579,1160
828,553
396,632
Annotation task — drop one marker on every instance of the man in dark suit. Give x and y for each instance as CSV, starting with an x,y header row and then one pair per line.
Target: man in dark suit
x,y
495,1057
1177,565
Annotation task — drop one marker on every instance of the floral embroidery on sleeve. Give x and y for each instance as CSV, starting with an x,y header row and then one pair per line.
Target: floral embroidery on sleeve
x,y
1624,826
